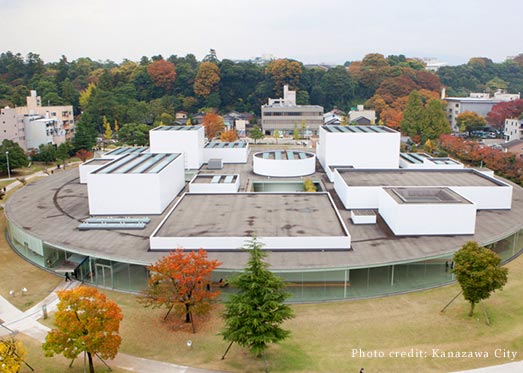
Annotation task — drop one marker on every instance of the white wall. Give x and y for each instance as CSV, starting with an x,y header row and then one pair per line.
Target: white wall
x,y
117,194
189,142
413,219
232,243
227,155
284,167
360,150
85,169
487,198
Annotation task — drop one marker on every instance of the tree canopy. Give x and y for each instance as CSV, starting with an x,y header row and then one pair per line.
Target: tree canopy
x,y
213,124
478,272
86,321
181,281
17,157
254,314
12,354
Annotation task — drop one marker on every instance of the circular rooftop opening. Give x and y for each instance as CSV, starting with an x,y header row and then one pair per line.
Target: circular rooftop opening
x,y
284,163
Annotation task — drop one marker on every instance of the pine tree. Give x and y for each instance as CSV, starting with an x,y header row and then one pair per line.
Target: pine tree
x,y
254,314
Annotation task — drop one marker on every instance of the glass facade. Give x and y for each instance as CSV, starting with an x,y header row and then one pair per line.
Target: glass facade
x,y
305,286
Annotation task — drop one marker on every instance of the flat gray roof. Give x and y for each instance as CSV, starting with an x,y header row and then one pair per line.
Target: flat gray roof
x,y
407,177
147,163
358,129
177,128
245,214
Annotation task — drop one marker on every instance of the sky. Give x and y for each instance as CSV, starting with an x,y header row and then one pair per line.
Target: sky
x,y
319,31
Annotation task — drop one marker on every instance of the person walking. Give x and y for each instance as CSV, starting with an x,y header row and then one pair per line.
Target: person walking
x,y
67,278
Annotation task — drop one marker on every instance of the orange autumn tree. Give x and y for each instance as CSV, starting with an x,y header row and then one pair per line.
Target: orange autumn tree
x,y
229,136
213,124
86,321
207,79
162,74
181,281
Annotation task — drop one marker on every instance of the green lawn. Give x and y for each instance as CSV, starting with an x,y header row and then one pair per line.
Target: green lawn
x,y
328,337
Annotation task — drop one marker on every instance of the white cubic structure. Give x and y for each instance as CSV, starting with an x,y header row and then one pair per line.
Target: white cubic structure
x,y
120,152
87,167
212,183
284,163
426,211
228,152
372,147
425,161
360,189
136,184
313,223
189,140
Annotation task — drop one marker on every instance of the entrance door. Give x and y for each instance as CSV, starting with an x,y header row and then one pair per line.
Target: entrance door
x,y
104,275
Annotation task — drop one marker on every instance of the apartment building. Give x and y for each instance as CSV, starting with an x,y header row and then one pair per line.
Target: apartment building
x,y
283,115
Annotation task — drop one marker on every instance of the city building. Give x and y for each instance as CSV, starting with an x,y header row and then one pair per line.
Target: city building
x,y
33,125
283,115
12,127
360,116
513,129
479,103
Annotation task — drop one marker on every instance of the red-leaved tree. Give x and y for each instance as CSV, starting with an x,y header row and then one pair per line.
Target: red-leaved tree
x,y
181,281
504,110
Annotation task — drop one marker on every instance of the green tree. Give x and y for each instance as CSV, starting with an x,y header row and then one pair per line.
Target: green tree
x,y
46,153
256,133
17,157
254,314
62,152
296,132
86,321
413,116
85,133
134,134
435,121
478,272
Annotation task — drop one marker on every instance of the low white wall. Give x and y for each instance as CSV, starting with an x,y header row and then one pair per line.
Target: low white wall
x,y
85,169
413,219
284,167
362,219
232,243
227,155
215,187
487,198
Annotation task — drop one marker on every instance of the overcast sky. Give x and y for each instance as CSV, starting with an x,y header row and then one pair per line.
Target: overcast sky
x,y
330,31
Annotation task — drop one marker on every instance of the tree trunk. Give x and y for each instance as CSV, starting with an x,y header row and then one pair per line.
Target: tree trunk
x,y
472,305
90,358
187,314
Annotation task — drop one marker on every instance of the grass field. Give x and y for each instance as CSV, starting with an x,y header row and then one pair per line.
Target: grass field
x,y
17,273
325,335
